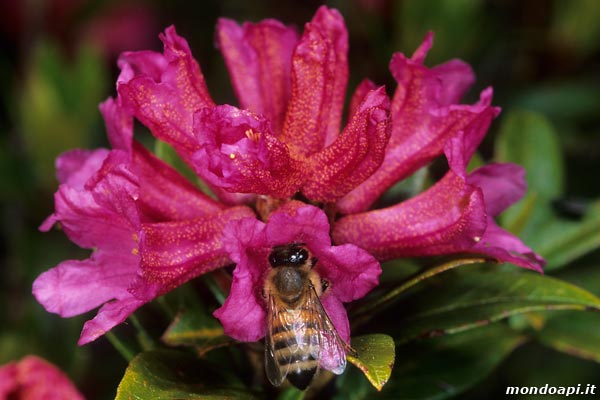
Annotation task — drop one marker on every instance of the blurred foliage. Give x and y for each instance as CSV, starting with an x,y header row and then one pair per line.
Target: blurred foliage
x,y
541,56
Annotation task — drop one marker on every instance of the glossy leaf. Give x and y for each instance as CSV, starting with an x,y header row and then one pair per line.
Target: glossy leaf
x,y
374,357
194,327
528,139
443,367
474,297
574,333
175,375
561,241
364,312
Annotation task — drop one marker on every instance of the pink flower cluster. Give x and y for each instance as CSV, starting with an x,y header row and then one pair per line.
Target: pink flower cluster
x,y
283,169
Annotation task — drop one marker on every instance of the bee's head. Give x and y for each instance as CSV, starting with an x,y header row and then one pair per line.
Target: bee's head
x,y
294,254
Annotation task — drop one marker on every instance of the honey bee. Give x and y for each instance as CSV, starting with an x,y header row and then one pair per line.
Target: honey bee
x,y
299,331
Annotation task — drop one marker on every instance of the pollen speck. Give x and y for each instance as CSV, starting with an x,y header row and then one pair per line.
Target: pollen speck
x,y
476,239
232,156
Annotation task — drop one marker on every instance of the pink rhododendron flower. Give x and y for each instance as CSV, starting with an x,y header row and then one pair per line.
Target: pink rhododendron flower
x,y
284,169
35,379
350,271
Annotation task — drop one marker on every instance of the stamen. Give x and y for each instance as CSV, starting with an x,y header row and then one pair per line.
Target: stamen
x,y
254,136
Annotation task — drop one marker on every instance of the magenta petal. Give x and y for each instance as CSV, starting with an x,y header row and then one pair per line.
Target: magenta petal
x,y
423,122
75,167
239,154
351,271
502,185
460,147
119,125
337,313
115,188
354,155
174,252
361,91
447,218
506,247
75,287
166,100
319,79
258,57
164,193
88,224
110,315
33,378
297,222
243,313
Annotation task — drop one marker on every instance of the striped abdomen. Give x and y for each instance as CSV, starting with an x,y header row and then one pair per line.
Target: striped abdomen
x,y
296,345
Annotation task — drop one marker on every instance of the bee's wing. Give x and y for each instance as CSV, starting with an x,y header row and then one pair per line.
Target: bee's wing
x,y
275,318
331,351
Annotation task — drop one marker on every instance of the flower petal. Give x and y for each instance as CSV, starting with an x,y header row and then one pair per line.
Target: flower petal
x,y
116,188
75,167
86,223
165,96
422,122
258,57
506,247
175,252
351,271
238,153
75,287
502,185
33,378
119,124
319,79
354,155
337,313
110,315
447,218
164,193
361,91
461,147
243,313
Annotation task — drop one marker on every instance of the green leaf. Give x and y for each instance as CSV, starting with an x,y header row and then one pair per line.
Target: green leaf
x,y
577,334
561,241
374,357
528,139
167,153
446,366
194,327
291,393
457,24
474,297
175,375
365,311
57,106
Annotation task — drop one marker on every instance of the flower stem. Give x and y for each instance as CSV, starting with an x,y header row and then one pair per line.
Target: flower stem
x,y
144,339
123,349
